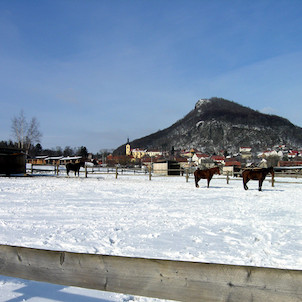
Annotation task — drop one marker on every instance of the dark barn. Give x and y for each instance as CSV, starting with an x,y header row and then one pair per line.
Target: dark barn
x,y
173,167
12,161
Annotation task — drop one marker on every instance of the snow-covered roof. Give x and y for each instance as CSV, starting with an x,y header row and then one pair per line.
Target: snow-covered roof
x,y
71,158
53,157
248,149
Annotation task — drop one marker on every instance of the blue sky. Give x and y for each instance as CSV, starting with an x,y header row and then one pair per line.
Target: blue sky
x,y
97,72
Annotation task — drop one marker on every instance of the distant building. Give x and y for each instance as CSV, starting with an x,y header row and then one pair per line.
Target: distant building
x,y
153,153
38,160
268,153
53,160
293,154
219,159
232,167
128,149
246,152
70,159
138,153
199,158
12,161
189,153
168,167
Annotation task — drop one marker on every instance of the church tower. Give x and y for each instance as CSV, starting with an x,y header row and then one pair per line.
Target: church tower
x,y
128,148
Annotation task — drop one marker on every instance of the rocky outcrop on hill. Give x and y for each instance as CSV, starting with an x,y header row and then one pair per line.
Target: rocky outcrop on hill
x,y
217,124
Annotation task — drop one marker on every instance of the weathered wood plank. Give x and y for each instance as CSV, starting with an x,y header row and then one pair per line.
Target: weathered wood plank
x,y
165,279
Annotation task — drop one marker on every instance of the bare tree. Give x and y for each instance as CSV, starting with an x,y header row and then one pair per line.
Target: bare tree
x,y
25,133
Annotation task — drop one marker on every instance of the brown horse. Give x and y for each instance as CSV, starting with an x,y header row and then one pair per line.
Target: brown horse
x,y
256,174
205,174
75,167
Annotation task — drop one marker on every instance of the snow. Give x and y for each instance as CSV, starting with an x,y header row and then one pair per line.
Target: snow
x,y
165,218
201,102
199,123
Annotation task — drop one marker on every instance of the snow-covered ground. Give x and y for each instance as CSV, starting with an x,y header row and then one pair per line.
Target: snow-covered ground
x,y
166,218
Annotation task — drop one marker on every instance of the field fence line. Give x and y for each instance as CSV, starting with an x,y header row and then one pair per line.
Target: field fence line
x,y
120,171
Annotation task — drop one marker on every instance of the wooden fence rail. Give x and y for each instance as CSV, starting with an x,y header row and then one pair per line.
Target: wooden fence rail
x,y
164,279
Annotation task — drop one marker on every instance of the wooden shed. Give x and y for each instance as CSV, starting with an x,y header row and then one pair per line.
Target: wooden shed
x,y
12,161
168,167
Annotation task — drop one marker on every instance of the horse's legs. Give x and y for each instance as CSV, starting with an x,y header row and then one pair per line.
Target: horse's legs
x,y
196,182
260,184
67,170
245,181
209,179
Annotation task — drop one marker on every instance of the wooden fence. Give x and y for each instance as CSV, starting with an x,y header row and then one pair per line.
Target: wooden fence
x,y
163,279
95,170
117,171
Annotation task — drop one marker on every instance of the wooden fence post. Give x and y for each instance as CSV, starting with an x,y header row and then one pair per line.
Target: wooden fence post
x,y
149,173
187,175
86,171
116,172
228,177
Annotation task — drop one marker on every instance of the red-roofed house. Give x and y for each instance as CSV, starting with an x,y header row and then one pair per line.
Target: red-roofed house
x,y
199,157
218,159
293,154
232,167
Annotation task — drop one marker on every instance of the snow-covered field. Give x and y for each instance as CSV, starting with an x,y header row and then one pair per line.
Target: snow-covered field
x,y
166,218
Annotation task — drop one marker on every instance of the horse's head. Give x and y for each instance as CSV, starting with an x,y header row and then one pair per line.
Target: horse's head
x,y
217,170
82,164
272,171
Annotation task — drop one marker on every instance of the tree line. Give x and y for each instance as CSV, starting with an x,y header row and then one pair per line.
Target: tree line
x,y
26,135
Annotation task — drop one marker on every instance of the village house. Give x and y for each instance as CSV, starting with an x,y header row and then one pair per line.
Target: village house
x,y
38,160
189,153
218,159
232,167
293,154
183,162
70,159
198,158
246,152
268,153
53,160
153,153
136,152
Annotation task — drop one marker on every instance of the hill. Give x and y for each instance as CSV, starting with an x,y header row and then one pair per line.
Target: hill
x,y
218,124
